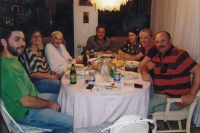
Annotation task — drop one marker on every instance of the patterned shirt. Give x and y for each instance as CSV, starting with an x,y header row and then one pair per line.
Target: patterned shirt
x,y
131,49
171,74
33,63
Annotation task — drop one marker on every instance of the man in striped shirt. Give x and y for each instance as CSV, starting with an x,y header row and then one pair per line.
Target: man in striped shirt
x,y
172,68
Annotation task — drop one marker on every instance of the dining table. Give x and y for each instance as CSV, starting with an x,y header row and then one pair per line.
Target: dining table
x,y
90,107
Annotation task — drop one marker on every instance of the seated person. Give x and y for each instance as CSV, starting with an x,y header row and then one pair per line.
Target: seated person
x,y
56,53
98,42
23,102
146,40
172,68
36,65
132,46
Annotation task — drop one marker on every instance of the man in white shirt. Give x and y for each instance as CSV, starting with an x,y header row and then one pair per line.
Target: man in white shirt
x,y
56,53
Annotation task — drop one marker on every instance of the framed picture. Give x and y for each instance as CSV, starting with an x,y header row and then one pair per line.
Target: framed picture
x,y
85,17
85,3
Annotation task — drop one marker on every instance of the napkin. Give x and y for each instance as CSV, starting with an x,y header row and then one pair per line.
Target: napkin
x,y
128,86
104,91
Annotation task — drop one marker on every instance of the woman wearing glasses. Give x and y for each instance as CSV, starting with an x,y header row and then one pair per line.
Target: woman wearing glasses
x,y
36,65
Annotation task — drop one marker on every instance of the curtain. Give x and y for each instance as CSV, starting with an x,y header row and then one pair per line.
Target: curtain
x,y
181,18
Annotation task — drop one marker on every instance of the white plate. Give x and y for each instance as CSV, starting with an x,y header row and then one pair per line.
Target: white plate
x,y
133,62
92,59
128,75
77,66
80,74
107,55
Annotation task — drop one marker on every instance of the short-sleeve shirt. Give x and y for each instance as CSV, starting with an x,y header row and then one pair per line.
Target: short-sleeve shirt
x,y
151,53
131,49
171,72
15,84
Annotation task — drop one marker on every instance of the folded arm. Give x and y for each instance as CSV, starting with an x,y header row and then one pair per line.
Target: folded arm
x,y
145,71
189,98
35,102
39,75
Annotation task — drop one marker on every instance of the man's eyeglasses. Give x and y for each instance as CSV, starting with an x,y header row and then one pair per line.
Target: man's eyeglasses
x,y
39,36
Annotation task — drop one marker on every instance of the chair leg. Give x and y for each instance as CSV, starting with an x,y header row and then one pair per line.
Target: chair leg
x,y
179,125
168,125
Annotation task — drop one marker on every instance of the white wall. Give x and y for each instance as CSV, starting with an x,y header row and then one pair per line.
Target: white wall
x,y
83,30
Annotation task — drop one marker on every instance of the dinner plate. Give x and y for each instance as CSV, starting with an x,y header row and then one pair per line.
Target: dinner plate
x,y
107,55
79,74
136,63
129,75
77,66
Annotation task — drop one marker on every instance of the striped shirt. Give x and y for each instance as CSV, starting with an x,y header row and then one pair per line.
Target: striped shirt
x,y
33,63
171,74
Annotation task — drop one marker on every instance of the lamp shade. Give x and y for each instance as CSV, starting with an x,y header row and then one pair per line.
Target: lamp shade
x,y
108,4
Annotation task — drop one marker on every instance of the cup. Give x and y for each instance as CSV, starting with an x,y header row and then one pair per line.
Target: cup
x,y
86,76
91,76
117,76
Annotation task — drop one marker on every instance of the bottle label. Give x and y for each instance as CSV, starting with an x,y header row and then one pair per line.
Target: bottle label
x,y
73,78
91,79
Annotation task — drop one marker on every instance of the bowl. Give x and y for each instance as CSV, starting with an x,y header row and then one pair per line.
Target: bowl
x,y
134,68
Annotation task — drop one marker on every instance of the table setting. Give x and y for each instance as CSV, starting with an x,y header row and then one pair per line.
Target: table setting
x,y
106,97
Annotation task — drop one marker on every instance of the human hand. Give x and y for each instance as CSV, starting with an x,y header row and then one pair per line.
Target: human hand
x,y
108,52
87,52
146,76
187,99
54,76
55,106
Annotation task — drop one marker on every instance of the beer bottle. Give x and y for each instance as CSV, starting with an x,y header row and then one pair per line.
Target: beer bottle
x,y
85,59
73,75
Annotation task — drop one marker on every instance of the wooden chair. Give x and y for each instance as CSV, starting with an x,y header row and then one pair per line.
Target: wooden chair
x,y
185,113
18,128
182,48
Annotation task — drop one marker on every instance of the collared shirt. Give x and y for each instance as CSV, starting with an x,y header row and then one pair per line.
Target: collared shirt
x,y
171,72
92,43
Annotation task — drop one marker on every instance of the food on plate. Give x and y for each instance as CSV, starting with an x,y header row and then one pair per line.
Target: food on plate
x,y
129,74
77,66
79,59
118,63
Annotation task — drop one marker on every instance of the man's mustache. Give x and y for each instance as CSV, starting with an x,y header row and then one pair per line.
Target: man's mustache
x,y
161,46
21,47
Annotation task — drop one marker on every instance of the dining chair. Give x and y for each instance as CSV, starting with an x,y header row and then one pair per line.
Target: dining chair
x,y
182,48
14,127
196,114
185,113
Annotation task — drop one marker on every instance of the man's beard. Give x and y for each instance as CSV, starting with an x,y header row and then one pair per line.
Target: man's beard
x,y
14,51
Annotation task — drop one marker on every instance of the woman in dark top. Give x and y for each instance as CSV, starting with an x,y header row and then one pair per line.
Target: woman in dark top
x,y
36,65
132,46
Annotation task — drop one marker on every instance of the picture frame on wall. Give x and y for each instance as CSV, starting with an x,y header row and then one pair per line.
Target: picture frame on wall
x,y
85,17
85,3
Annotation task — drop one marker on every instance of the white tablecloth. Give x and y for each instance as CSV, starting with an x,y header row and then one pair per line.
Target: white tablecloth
x,y
89,108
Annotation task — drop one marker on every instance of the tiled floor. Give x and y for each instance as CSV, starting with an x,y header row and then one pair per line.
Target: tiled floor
x,y
174,125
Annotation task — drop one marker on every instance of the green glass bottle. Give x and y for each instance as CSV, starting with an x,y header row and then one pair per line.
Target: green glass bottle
x,y
73,75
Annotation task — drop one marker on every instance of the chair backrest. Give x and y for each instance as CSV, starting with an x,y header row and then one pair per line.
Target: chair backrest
x,y
18,128
182,48
198,59
8,119
130,124
117,42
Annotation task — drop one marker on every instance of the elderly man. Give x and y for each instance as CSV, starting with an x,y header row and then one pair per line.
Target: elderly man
x,y
22,100
56,53
98,42
172,69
